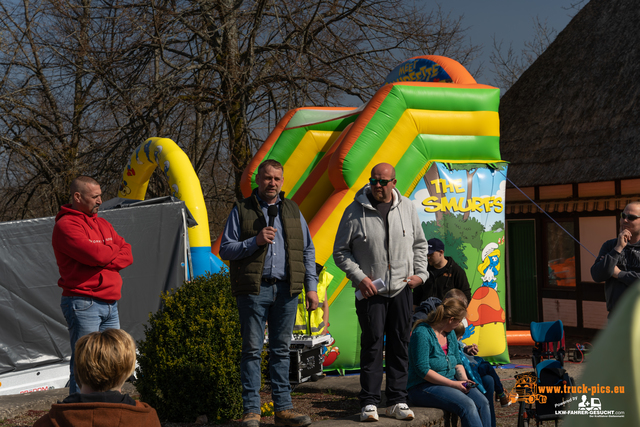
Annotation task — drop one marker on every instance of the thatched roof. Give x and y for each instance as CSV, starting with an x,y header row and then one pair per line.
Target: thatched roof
x,y
574,115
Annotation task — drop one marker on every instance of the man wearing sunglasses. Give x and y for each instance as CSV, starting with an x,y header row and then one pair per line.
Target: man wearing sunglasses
x,y
618,264
380,237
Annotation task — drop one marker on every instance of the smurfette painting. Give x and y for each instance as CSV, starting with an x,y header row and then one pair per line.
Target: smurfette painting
x,y
490,266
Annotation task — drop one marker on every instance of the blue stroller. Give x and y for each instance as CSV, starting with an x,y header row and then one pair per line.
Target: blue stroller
x,y
540,394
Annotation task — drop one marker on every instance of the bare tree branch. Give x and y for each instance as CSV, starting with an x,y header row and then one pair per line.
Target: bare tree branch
x,y
508,65
83,82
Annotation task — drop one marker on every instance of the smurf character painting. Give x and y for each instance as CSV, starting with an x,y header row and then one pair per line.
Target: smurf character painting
x,y
490,266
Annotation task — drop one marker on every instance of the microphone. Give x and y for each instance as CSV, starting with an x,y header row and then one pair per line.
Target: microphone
x,y
272,211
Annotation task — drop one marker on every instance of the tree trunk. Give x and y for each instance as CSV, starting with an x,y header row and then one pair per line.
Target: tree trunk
x,y
470,176
433,175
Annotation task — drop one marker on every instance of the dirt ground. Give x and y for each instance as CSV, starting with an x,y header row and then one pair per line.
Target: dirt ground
x,y
323,406
331,405
320,406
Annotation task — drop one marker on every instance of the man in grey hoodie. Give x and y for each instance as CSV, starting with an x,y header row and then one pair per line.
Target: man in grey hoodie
x,y
380,237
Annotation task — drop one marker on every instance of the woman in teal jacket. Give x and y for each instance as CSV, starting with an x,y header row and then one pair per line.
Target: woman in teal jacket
x,y
437,378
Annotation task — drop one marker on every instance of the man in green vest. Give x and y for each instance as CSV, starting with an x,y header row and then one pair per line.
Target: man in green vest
x,y
272,256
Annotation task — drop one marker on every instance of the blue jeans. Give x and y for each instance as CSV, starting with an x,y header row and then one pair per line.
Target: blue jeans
x,y
275,305
485,369
85,315
489,387
472,408
492,384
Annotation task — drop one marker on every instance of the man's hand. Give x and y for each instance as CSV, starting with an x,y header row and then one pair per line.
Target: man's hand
x,y
311,298
266,235
367,288
623,239
414,281
616,271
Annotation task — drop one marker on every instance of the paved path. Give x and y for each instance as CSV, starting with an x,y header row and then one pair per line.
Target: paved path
x,y
350,384
13,405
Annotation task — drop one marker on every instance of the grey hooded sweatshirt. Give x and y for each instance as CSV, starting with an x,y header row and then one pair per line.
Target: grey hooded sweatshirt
x,y
361,248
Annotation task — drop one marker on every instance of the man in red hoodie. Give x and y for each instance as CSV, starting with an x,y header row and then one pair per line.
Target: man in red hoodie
x,y
90,255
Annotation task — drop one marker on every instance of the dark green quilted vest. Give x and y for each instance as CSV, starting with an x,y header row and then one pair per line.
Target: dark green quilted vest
x,y
246,273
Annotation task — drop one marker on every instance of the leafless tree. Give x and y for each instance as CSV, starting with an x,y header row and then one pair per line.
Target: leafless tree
x,y
83,82
508,64
264,57
576,5
57,119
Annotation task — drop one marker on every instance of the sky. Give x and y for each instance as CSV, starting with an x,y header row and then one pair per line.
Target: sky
x,y
509,20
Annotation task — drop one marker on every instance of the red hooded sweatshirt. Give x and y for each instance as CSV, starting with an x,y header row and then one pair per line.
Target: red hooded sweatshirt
x,y
89,254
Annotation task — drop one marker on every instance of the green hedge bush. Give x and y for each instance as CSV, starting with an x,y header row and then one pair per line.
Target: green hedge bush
x,y
190,357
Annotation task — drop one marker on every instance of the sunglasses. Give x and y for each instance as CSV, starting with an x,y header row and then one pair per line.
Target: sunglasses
x,y
382,182
628,217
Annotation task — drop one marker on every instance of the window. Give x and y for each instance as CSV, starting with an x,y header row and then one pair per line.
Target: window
x,y
594,231
560,254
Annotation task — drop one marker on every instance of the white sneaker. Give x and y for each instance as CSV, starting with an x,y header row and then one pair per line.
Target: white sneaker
x,y
369,413
401,411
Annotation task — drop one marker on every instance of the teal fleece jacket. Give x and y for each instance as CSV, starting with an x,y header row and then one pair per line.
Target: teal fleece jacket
x,y
425,354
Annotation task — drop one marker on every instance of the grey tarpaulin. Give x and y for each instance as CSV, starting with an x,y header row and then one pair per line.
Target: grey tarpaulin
x,y
119,202
33,331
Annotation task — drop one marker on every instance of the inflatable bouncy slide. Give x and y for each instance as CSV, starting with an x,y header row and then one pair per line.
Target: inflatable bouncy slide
x,y
164,154
440,129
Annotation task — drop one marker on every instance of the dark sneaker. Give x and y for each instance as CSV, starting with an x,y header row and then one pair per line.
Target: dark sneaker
x,y
290,418
251,420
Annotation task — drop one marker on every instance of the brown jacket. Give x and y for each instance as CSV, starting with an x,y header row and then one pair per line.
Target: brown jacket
x,y
99,414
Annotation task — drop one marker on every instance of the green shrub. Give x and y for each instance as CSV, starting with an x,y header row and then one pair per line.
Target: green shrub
x,y
190,357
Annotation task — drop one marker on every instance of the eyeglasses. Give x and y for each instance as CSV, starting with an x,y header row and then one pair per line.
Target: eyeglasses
x,y
382,182
628,217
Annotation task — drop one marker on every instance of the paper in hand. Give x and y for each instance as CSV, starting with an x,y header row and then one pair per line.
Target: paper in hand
x,y
378,283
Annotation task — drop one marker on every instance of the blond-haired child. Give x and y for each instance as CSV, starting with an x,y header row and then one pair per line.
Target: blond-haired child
x,y
103,362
